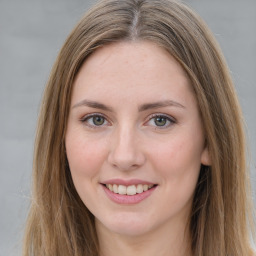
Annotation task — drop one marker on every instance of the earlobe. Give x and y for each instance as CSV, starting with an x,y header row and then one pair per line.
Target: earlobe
x,y
205,157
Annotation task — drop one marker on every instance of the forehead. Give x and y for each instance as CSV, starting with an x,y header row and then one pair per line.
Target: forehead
x,y
131,55
126,68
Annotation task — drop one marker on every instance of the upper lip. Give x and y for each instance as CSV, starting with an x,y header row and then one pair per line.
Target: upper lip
x,y
127,182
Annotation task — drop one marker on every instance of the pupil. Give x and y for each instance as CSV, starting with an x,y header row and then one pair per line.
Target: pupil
x,y
160,121
98,120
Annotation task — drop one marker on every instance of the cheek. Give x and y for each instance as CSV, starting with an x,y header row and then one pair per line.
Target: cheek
x,y
85,157
177,157
178,163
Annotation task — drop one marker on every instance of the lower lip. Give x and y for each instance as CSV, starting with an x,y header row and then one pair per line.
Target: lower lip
x,y
125,199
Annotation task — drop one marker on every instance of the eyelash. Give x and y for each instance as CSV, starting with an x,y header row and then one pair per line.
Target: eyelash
x,y
86,119
90,116
166,117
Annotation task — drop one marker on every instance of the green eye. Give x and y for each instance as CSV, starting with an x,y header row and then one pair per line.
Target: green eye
x,y
98,120
160,121
94,121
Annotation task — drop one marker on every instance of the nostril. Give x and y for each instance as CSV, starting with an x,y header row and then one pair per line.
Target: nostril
x,y
125,154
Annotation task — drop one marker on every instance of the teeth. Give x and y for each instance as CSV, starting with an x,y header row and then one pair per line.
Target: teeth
x,y
115,189
145,187
139,189
128,190
122,190
131,190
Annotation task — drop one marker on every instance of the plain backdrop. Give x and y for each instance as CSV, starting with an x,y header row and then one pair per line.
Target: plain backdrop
x,y
31,35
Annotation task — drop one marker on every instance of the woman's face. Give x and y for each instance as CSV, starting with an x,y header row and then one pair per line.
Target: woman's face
x,y
134,139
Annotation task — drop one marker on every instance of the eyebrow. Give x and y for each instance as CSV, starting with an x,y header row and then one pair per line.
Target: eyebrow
x,y
93,104
160,104
144,107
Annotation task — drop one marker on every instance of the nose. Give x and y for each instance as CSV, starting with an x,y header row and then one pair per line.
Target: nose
x,y
125,150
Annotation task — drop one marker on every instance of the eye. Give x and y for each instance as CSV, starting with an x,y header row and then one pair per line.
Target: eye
x,y
94,120
160,121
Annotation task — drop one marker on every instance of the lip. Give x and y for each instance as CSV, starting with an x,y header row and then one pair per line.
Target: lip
x,y
127,182
127,199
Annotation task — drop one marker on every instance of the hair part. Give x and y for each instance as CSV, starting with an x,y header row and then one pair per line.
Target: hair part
x,y
221,218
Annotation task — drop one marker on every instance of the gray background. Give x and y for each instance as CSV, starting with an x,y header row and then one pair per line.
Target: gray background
x,y
31,34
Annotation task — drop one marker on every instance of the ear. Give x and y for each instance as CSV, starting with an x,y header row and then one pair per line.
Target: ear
x,y
205,157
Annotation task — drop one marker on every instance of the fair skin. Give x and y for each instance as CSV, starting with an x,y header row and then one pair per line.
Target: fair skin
x,y
134,122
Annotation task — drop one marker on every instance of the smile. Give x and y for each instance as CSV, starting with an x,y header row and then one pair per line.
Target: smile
x,y
129,190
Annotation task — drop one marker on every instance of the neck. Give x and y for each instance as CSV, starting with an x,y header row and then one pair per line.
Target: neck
x,y
165,241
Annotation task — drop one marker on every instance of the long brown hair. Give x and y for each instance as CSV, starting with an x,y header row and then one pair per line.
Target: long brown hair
x,y
59,223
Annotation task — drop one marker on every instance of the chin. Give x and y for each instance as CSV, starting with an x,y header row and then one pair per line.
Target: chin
x,y
126,225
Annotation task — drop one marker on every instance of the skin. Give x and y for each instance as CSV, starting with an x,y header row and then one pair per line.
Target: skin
x,y
130,144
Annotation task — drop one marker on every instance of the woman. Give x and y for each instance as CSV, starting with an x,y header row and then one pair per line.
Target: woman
x,y
140,145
